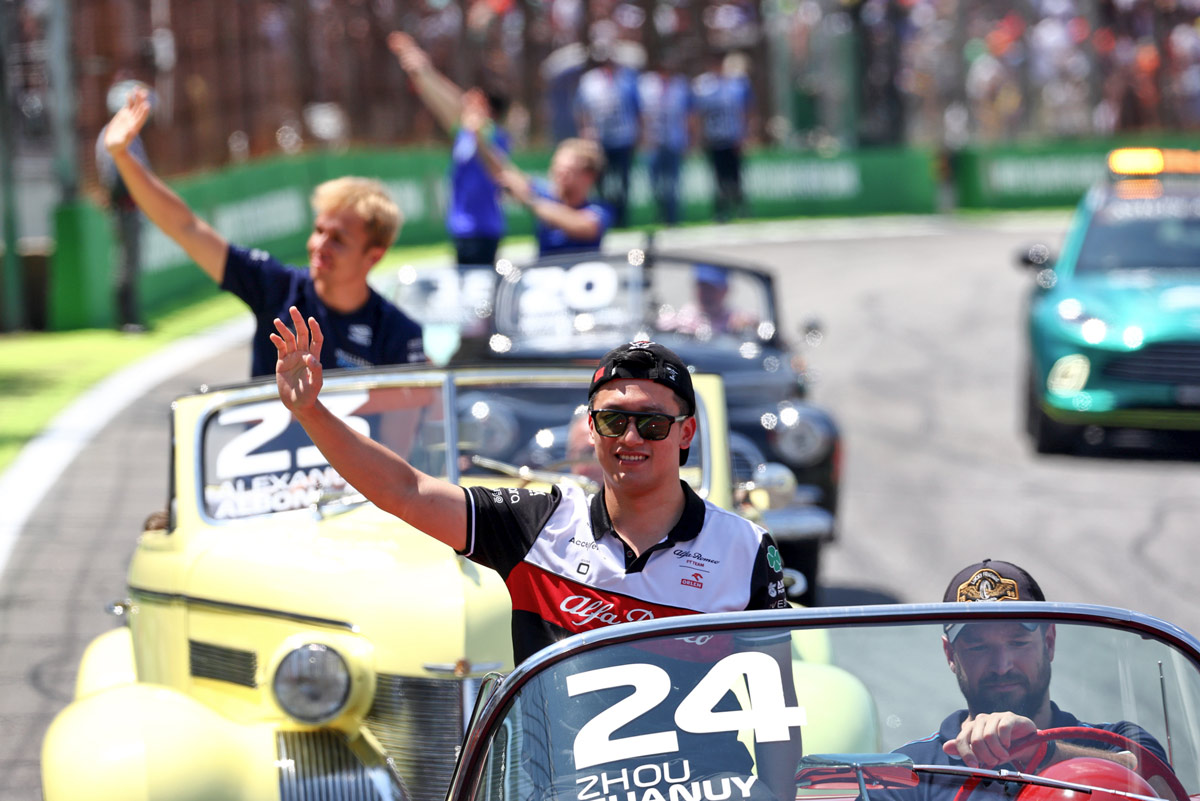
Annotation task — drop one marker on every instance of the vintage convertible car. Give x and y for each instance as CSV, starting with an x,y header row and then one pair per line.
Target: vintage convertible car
x,y
286,639
719,316
677,709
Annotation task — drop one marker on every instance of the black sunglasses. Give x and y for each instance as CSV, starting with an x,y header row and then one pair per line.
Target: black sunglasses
x,y
650,425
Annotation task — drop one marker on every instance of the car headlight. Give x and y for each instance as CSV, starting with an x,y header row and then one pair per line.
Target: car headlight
x,y
312,683
1069,374
797,434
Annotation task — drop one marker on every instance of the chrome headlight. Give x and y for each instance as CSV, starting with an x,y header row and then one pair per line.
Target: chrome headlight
x,y
312,683
797,434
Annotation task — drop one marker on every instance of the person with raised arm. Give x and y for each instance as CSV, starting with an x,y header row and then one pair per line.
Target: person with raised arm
x,y
355,224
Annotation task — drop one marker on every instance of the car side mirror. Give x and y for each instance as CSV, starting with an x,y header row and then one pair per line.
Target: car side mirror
x,y
1037,256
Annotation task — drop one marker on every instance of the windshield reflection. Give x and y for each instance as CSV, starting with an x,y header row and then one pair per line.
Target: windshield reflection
x,y
576,305
257,460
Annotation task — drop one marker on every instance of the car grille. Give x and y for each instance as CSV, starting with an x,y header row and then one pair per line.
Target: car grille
x,y
419,724
225,664
319,766
743,465
1166,363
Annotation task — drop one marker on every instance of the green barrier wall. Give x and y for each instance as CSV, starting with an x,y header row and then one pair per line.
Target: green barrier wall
x,y
265,205
79,288
1041,175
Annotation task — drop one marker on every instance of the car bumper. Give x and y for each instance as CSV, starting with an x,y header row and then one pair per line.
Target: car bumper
x,y
1156,386
1144,406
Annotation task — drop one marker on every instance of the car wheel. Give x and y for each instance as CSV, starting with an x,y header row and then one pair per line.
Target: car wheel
x,y
1048,435
806,558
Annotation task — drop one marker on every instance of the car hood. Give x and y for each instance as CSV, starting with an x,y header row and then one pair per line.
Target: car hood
x,y
1163,306
366,570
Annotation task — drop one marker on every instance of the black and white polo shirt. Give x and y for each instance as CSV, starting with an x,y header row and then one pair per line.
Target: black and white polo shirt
x,y
567,571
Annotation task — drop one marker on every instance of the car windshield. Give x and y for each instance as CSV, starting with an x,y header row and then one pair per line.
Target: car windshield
x,y
595,302
1157,232
677,717
258,460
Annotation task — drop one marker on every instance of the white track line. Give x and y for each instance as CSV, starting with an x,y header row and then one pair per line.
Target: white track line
x,y
44,458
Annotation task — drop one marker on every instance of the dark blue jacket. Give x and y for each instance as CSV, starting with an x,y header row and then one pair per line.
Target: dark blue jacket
x,y
928,751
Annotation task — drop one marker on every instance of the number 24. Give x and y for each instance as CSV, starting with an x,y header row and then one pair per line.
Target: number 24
x,y
767,713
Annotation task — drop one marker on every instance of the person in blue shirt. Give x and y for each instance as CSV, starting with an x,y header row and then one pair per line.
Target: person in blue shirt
x,y
666,103
475,219
1003,670
566,218
560,73
609,112
356,222
722,99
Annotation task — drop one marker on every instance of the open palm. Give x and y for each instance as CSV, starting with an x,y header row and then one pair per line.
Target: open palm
x,y
127,123
298,373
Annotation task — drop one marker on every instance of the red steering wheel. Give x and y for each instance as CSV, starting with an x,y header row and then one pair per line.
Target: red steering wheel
x,y
1150,764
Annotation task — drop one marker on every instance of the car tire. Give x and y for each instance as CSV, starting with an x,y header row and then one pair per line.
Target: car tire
x,y
806,558
1048,435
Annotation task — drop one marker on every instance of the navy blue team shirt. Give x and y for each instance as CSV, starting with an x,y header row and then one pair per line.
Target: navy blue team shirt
x,y
928,751
376,334
554,240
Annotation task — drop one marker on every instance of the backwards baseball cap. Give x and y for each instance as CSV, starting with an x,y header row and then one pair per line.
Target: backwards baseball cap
x,y
647,361
991,580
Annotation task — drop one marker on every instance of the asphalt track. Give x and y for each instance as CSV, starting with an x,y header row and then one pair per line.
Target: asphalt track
x,y
921,365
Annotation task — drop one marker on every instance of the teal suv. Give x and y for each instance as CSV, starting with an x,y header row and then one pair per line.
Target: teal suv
x,y
1114,320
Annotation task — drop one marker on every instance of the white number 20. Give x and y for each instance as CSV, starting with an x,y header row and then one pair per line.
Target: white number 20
x,y
767,713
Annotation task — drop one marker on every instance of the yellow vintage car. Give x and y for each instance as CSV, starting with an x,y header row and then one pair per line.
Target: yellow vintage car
x,y
285,639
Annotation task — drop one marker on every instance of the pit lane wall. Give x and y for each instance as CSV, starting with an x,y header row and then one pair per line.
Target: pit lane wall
x,y
265,205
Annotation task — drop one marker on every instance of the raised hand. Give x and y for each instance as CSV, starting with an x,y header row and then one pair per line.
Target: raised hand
x,y
298,373
127,123
412,57
475,113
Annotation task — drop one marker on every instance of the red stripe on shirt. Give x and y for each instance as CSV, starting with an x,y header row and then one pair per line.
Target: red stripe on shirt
x,y
575,606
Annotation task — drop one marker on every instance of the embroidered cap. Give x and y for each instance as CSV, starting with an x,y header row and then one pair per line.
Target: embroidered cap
x,y
647,361
991,580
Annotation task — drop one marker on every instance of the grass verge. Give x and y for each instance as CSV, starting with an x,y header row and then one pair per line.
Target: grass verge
x,y
42,372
